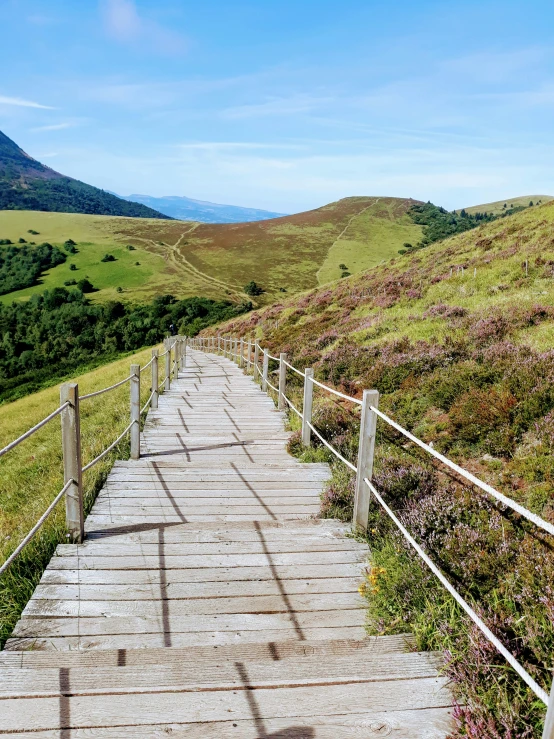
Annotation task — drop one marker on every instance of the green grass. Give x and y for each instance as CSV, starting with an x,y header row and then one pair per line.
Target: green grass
x,y
216,261
497,207
32,473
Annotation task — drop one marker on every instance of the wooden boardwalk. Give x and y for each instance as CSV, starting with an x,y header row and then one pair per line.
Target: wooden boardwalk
x,y
208,601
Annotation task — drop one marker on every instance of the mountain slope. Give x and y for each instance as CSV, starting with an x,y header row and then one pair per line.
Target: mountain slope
x,y
457,338
497,208
217,260
26,184
187,209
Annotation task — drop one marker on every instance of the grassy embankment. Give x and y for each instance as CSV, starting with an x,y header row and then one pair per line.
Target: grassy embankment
x,y
464,360
497,208
216,260
32,473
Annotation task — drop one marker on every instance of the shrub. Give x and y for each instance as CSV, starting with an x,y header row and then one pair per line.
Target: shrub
x,y
73,267
253,289
85,286
108,258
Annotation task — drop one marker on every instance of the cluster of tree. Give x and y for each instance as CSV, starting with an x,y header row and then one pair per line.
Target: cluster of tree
x,y
253,289
55,333
67,196
21,266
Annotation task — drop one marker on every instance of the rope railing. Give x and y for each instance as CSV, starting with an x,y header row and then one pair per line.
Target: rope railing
x,y
105,389
69,410
364,468
539,692
32,430
23,543
108,449
537,520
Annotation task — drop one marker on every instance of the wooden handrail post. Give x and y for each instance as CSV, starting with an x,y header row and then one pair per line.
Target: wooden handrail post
x,y
167,380
241,354
264,370
256,359
548,730
135,411
235,349
184,352
176,345
307,406
366,450
219,343
72,463
282,381
154,401
248,356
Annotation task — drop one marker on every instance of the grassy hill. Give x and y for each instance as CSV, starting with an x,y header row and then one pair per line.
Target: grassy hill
x,y
216,260
497,208
458,338
26,184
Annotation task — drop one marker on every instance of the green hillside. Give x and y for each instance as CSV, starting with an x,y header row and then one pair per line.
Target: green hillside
x,y
458,339
26,184
497,208
217,260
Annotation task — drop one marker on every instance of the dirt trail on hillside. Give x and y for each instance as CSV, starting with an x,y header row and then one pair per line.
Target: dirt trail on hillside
x,y
183,266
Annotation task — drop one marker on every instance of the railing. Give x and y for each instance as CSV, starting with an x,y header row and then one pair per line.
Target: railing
x,y
69,410
370,413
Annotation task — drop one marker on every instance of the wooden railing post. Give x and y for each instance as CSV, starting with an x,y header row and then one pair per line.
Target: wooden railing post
x,y
307,407
264,370
241,353
135,411
282,381
235,349
184,353
366,449
248,356
176,359
219,344
72,464
167,380
154,401
548,729
256,359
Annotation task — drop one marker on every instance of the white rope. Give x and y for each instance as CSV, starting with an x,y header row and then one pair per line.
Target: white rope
x,y
106,389
146,405
276,359
162,383
272,386
108,449
336,392
31,431
36,527
539,692
147,365
292,406
294,369
537,520
319,436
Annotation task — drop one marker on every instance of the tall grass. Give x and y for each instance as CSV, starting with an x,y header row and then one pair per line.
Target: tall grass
x,y
32,474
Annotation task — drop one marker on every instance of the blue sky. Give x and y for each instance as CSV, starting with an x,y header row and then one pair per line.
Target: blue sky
x,y
285,105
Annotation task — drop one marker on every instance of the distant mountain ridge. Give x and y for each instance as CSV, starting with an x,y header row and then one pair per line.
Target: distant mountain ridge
x,y
26,184
188,209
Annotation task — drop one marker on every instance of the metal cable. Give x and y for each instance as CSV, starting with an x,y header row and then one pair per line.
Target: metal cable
x,y
32,430
539,692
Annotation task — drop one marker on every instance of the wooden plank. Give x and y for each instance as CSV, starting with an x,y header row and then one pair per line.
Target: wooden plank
x,y
428,723
296,603
197,575
142,709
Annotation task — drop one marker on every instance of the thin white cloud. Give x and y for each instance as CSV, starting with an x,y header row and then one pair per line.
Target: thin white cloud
x,y
22,103
235,145
53,127
123,23
278,106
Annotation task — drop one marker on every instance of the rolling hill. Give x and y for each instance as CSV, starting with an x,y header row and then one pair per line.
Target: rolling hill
x,y
288,254
26,184
457,338
497,208
187,209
